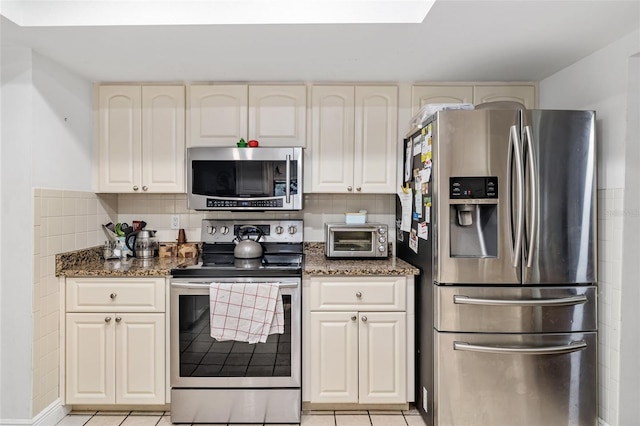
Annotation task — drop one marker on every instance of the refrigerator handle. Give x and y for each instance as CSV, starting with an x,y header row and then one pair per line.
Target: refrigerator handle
x,y
516,151
544,350
561,301
533,194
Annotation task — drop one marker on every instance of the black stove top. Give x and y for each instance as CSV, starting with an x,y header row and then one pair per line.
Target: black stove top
x,y
282,255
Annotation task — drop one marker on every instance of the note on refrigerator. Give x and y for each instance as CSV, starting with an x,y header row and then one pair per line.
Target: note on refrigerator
x,y
405,218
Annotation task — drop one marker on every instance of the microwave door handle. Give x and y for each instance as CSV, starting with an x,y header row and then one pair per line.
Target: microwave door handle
x,y
288,179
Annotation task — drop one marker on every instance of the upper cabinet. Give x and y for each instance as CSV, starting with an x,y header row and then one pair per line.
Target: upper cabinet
x,y
220,115
141,139
353,141
472,93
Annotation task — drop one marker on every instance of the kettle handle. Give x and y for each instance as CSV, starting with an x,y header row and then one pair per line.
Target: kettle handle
x,y
127,238
244,231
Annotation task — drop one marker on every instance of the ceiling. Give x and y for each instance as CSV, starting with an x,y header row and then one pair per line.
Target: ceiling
x,y
482,40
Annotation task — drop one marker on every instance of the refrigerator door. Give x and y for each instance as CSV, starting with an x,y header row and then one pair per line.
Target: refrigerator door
x,y
519,309
476,239
559,245
515,379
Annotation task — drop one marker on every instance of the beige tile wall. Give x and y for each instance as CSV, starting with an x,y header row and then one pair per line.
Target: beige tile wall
x,y
157,210
610,208
62,221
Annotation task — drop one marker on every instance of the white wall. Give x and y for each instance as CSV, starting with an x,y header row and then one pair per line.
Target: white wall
x,y
630,314
39,149
605,82
17,241
63,132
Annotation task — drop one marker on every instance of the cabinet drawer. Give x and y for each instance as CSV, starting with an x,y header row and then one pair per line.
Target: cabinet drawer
x,y
115,295
348,293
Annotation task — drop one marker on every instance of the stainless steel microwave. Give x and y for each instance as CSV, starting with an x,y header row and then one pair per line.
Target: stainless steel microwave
x,y
229,178
367,240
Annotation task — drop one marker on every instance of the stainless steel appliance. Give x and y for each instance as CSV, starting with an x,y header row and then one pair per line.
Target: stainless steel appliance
x,y
143,243
222,178
502,225
367,240
228,381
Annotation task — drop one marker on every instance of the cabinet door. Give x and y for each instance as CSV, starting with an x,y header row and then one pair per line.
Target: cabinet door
x,y
422,95
333,359
332,139
376,134
383,362
119,138
277,115
90,362
163,147
140,350
218,114
524,94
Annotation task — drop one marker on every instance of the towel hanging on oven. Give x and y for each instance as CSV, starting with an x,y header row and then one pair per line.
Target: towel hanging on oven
x,y
245,312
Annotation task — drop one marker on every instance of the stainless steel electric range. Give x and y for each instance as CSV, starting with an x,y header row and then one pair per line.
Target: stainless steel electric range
x,y
229,381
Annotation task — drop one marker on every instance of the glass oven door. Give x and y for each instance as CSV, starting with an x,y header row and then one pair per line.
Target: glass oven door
x,y
198,360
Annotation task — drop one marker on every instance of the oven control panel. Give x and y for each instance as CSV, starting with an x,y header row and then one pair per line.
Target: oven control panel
x,y
271,231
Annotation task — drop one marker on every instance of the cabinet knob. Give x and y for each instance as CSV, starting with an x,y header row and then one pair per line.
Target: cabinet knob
x,y
107,319
118,319
135,187
113,296
364,318
358,189
353,318
144,188
349,188
358,294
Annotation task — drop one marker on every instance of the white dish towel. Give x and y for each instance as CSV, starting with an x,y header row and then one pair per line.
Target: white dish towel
x,y
245,312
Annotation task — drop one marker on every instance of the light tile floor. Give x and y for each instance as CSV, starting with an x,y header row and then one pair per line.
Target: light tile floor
x,y
309,418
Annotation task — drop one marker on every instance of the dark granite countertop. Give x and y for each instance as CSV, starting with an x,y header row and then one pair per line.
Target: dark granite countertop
x,y
89,263
316,263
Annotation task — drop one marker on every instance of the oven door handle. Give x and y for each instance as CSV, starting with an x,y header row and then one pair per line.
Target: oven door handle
x,y
207,284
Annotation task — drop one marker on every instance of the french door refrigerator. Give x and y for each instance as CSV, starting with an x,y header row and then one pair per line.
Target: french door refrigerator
x,y
498,212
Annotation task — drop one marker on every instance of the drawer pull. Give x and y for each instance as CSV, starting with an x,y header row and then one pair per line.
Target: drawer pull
x,y
545,350
353,318
364,318
118,319
113,296
563,301
107,319
358,294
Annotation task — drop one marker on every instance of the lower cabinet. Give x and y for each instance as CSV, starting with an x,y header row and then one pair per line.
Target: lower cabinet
x,y
358,340
358,357
117,356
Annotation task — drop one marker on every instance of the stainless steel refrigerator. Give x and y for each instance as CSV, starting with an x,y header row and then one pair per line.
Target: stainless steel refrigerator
x,y
499,214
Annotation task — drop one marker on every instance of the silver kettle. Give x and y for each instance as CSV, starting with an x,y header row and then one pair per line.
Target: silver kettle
x,y
247,248
143,243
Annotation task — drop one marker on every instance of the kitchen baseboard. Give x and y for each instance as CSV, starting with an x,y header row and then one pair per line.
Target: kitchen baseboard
x,y
602,422
49,416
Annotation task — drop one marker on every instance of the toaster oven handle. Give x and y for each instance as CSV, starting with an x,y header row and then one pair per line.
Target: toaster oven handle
x,y
288,179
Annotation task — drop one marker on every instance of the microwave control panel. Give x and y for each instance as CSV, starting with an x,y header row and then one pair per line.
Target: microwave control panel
x,y
213,202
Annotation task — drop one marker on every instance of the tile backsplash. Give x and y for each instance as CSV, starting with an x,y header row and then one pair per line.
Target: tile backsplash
x,y
62,221
157,211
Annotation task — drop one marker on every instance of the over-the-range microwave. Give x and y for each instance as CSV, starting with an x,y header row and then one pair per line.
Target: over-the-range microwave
x,y
229,178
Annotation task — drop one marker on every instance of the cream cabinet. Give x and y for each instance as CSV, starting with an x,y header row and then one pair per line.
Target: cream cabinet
x,y
274,115
141,139
115,341
472,93
358,340
354,139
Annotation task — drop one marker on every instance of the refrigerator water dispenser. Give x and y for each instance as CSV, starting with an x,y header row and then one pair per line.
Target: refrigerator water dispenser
x,y
473,216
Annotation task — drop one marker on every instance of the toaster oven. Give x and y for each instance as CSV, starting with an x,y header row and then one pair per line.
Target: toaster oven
x,y
367,240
